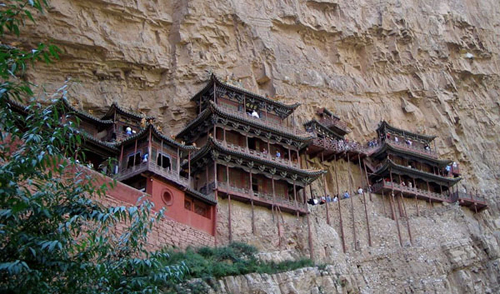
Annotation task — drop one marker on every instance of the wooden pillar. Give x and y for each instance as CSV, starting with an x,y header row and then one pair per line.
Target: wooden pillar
x,y
298,158
394,216
416,191
325,191
179,162
364,202
229,225
309,233
215,217
161,154
135,150
189,165
407,220
352,204
339,206
121,159
215,176
289,156
367,182
295,198
251,201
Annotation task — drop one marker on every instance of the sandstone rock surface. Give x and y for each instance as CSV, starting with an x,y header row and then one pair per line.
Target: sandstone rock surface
x,y
427,66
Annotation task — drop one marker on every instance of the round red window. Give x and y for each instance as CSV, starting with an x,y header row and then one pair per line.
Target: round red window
x,y
167,197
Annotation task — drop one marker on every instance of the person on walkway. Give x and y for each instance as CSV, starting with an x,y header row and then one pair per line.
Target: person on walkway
x,y
336,198
346,195
360,190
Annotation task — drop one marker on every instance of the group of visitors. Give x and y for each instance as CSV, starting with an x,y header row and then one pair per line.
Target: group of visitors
x,y
327,199
373,143
129,132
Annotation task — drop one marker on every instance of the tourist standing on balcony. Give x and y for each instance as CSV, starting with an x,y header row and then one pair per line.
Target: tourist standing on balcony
x,y
264,151
145,157
396,139
278,154
128,131
255,114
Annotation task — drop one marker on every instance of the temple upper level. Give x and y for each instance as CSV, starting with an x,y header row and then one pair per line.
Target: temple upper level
x,y
245,103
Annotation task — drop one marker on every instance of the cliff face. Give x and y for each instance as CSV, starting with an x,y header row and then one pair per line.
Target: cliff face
x,y
427,66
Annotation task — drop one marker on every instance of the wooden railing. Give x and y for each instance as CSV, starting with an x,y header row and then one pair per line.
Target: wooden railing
x,y
153,167
412,148
279,199
329,122
468,197
376,188
341,145
263,121
267,156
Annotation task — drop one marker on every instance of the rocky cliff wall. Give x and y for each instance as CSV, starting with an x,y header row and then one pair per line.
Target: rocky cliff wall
x,y
426,66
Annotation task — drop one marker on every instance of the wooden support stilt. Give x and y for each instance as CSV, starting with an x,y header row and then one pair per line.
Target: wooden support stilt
x,y
352,204
394,216
325,191
251,201
339,206
416,199
309,232
383,202
215,218
229,225
366,211
369,187
407,219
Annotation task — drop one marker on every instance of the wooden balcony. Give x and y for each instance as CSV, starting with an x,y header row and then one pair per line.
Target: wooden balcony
x,y
267,156
412,148
264,121
330,147
334,122
262,199
426,195
154,168
473,202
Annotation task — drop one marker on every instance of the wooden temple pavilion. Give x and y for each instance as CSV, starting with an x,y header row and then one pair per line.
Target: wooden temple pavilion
x,y
250,151
404,164
127,147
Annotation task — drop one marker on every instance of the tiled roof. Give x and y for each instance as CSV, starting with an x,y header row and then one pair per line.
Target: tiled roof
x,y
429,159
384,125
155,131
82,114
213,144
220,83
213,108
400,169
200,195
116,108
323,127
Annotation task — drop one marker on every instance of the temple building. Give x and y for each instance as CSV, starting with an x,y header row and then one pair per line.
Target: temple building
x,y
129,148
405,164
250,152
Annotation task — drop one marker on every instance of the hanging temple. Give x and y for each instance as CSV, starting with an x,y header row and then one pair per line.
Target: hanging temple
x,y
247,148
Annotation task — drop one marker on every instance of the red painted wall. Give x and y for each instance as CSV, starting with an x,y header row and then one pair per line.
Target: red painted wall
x,y
174,204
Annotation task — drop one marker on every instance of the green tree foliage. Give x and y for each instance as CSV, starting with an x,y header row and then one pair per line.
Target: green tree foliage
x,y
54,238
